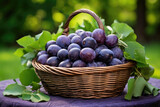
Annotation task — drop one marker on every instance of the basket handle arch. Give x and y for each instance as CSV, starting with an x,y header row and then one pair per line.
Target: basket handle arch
x,y
66,25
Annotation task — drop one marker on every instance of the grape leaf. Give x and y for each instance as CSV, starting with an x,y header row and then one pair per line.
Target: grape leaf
x,y
44,38
27,76
26,95
35,98
25,41
38,36
59,32
139,86
14,90
122,29
29,55
88,26
35,86
147,72
131,83
130,37
19,52
43,97
135,52
151,89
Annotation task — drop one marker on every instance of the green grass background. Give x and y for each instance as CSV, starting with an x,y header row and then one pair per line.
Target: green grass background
x,y
10,64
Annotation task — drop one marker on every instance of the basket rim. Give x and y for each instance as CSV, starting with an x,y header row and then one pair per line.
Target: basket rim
x,y
81,70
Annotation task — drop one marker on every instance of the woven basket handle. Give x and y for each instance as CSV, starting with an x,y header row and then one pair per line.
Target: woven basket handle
x,y
66,25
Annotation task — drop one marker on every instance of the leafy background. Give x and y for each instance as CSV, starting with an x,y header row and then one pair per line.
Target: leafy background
x,y
22,17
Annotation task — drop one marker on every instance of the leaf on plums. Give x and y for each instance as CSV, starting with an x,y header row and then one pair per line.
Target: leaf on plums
x,y
44,38
131,84
19,52
88,26
14,90
29,55
135,51
25,41
140,83
122,29
27,76
130,37
59,32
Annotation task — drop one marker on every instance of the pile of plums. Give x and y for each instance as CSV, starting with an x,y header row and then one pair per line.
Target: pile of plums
x,y
82,49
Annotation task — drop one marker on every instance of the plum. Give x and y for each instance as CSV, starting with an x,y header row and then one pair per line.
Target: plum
x,y
42,58
89,42
51,42
74,54
87,54
41,52
118,53
111,40
77,40
66,63
79,31
115,61
92,64
85,34
99,48
62,54
52,61
72,35
105,55
53,50
101,64
99,36
73,45
79,63
63,41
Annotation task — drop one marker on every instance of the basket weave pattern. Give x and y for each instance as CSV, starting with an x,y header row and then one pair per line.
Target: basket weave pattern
x,y
84,82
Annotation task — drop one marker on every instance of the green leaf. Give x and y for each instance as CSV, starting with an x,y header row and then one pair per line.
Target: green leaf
x,y
38,36
26,95
33,46
130,37
43,97
35,98
25,41
35,86
122,29
88,26
147,72
139,86
44,38
55,36
27,76
60,29
131,83
29,55
135,51
151,89
14,90
19,52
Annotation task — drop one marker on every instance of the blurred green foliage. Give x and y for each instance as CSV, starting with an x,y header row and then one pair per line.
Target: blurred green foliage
x,y
22,17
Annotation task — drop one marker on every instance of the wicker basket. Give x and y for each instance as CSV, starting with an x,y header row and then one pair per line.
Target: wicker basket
x,y
84,82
